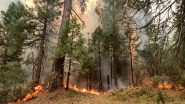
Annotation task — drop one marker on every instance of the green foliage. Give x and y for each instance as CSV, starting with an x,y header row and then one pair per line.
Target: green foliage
x,y
139,94
114,35
16,27
160,98
87,65
97,41
156,80
72,39
72,43
140,68
71,93
142,95
11,80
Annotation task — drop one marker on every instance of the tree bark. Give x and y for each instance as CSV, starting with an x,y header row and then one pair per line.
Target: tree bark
x,y
131,62
115,59
68,74
111,73
90,80
70,62
41,53
57,82
58,63
99,67
108,82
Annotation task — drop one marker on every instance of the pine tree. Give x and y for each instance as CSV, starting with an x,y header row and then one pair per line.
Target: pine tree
x,y
58,62
46,14
16,28
97,39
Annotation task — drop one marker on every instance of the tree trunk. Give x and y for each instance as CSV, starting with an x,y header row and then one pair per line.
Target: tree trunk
x,y
115,59
111,73
68,74
90,80
58,64
108,82
41,53
70,62
131,62
87,79
99,68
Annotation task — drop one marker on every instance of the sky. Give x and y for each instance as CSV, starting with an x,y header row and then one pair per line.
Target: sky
x,y
4,4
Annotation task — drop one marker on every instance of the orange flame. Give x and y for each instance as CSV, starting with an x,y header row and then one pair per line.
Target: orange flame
x,y
168,86
36,91
83,90
165,85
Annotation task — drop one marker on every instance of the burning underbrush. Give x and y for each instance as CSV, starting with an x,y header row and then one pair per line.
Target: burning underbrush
x,y
40,88
147,93
170,86
32,94
83,90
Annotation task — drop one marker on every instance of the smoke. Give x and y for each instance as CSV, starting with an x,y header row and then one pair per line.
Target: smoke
x,y
141,20
91,20
90,17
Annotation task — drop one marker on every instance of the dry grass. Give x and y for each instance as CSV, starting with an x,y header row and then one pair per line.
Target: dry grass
x,y
124,96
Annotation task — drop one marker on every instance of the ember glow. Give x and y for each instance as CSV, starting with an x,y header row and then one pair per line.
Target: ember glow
x,y
83,90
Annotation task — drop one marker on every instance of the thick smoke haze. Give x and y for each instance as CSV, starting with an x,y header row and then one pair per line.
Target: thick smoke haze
x,y
91,20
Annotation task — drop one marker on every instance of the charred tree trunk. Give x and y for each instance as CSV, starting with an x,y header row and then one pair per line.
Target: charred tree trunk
x,y
41,53
58,65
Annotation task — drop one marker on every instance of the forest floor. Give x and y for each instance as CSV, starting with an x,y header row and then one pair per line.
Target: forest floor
x,y
123,96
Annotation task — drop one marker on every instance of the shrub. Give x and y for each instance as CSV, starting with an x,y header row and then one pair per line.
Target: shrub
x,y
11,80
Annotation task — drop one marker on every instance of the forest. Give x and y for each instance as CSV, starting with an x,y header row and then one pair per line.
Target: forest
x,y
92,52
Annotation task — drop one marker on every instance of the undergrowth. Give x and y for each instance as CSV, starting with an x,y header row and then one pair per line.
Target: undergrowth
x,y
149,95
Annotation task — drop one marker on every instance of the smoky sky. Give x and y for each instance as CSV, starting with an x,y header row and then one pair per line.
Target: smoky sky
x,y
5,3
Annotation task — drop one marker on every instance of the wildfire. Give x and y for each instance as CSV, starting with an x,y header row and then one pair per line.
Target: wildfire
x,y
36,91
165,85
83,90
168,86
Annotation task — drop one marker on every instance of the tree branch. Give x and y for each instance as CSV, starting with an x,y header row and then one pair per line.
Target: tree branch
x,y
156,16
78,16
